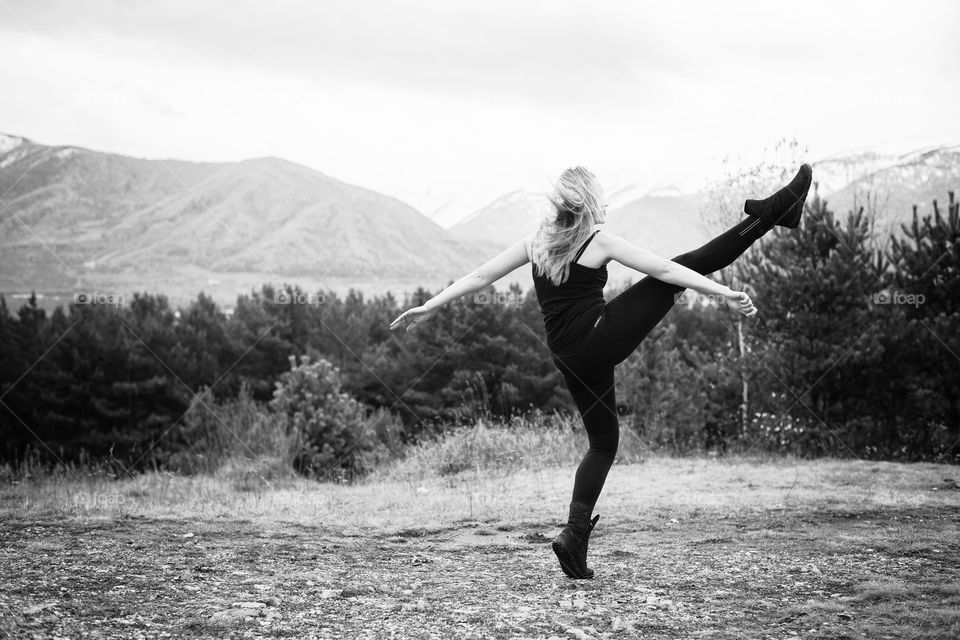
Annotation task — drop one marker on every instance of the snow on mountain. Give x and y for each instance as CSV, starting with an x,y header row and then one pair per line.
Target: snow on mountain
x,y
890,192
506,219
9,143
461,205
837,171
622,193
683,188
119,222
450,205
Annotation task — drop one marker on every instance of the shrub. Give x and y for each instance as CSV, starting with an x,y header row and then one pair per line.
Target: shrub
x,y
240,430
336,437
523,443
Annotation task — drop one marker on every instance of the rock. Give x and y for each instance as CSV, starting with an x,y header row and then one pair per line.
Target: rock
x,y
331,593
579,634
419,605
617,624
566,604
37,608
248,605
232,616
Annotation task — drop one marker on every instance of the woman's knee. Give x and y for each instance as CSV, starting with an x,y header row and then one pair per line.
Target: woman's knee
x,y
605,443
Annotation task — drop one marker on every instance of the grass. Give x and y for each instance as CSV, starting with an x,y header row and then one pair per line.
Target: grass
x,y
449,543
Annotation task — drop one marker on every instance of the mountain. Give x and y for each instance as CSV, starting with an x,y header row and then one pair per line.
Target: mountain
x,y
667,220
73,219
670,220
506,219
447,209
889,188
662,224
78,219
666,224
835,172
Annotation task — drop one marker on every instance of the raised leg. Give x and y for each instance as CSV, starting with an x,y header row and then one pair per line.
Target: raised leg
x,y
631,316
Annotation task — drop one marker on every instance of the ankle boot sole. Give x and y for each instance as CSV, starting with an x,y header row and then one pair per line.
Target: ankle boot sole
x,y
569,563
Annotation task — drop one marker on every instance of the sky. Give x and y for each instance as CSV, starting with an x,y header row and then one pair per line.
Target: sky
x,y
431,100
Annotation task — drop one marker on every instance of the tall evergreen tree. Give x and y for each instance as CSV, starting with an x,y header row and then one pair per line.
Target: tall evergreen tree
x,y
925,290
820,347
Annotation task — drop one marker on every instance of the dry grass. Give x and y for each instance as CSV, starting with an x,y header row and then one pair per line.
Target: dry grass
x,y
686,547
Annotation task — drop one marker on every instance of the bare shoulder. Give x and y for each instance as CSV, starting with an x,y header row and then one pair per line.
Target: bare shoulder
x,y
603,236
607,241
527,242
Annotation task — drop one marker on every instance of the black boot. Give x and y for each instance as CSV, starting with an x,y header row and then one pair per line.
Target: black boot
x,y
785,206
571,545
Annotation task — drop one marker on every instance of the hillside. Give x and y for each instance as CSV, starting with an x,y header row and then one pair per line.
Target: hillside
x,y
890,189
664,224
671,220
505,219
80,219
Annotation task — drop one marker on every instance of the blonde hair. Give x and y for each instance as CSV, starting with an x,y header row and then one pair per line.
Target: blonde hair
x,y
577,198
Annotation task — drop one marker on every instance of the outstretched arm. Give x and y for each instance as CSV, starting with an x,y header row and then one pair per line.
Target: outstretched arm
x,y
661,268
483,276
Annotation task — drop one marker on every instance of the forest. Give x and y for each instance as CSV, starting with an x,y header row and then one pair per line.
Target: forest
x,y
854,353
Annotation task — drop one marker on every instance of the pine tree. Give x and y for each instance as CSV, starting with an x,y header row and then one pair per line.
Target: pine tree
x,y
819,345
926,288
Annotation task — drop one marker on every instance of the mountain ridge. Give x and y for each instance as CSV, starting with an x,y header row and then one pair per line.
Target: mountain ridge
x,y
670,213
79,218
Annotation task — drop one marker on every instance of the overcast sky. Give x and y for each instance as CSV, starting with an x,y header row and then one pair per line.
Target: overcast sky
x,y
425,99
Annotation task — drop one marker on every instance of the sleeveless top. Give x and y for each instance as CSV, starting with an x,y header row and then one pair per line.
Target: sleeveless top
x,y
573,307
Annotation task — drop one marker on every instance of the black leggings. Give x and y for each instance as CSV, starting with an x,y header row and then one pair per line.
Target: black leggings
x,y
626,321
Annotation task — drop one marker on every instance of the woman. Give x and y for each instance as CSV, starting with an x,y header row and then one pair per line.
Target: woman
x,y
588,337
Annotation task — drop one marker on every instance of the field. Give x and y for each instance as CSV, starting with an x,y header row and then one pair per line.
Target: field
x,y
685,548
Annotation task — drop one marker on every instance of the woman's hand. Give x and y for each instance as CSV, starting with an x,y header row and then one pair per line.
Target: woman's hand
x,y
744,303
411,317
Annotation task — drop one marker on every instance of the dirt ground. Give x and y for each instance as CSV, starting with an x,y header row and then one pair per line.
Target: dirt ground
x,y
827,568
